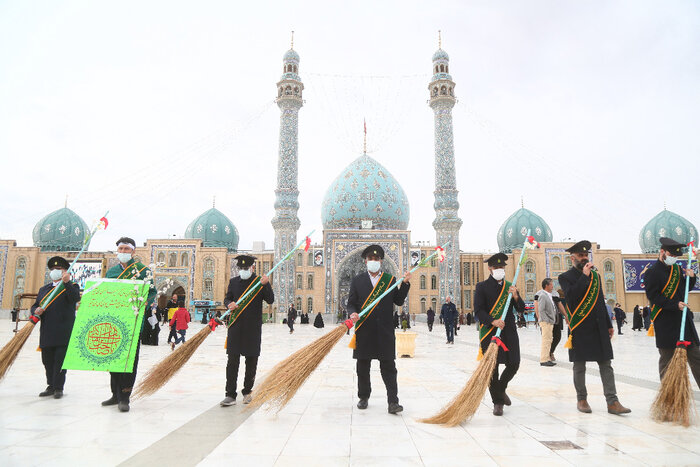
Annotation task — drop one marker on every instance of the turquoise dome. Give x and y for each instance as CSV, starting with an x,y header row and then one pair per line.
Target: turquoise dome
x,y
512,233
665,224
291,55
440,55
61,230
365,190
215,229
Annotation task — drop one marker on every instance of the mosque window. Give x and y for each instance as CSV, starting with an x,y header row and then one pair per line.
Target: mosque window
x,y
422,282
184,260
295,68
609,287
310,259
300,259
433,303
19,283
299,303
530,266
447,68
422,305
468,299
442,68
437,69
288,90
21,262
435,91
310,305
433,262
433,282
568,262
608,266
529,288
208,286
266,267
208,265
467,273
172,260
296,90
300,284
443,90
161,257
310,282
556,263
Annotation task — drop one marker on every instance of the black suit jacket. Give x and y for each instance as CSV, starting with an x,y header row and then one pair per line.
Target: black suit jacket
x,y
375,338
485,296
244,335
667,325
57,320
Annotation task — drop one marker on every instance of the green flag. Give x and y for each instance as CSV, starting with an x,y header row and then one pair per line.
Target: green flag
x,y
107,326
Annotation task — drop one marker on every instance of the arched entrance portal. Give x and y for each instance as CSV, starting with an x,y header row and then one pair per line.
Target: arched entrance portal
x,y
175,288
349,267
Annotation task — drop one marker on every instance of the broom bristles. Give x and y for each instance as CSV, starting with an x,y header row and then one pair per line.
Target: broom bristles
x,y
9,353
464,405
160,374
674,402
284,379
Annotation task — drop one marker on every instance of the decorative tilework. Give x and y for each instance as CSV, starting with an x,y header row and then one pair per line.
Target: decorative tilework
x,y
4,250
177,272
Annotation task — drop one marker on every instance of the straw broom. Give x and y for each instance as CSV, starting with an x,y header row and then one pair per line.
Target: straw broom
x,y
674,402
285,378
466,402
160,374
8,354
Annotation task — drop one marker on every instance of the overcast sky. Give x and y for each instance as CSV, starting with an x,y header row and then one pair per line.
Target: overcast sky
x,y
588,110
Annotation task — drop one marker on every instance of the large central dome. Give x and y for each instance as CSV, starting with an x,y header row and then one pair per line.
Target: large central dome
x,y
365,190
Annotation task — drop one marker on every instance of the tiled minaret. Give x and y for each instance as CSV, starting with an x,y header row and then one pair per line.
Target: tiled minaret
x,y
447,222
286,223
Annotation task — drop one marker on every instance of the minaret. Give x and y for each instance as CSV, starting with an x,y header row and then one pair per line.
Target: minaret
x,y
286,223
447,222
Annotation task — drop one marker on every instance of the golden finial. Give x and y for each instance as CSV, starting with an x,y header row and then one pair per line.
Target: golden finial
x,y
292,46
213,203
65,204
522,203
439,39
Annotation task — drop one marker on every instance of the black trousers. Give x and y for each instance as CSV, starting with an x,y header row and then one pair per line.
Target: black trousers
x,y
619,326
123,383
498,385
556,337
430,326
251,366
173,333
290,323
52,358
388,371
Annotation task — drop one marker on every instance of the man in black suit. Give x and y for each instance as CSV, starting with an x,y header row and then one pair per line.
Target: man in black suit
x,y
665,289
57,317
489,305
374,332
591,328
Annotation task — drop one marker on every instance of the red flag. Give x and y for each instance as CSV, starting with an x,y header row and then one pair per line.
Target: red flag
x,y
104,223
441,253
308,244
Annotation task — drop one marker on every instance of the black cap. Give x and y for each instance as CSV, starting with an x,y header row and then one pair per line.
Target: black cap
x,y
497,260
373,250
127,240
672,246
58,262
584,246
245,261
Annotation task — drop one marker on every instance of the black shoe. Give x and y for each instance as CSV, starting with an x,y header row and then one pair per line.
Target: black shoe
x,y
547,363
498,409
48,392
123,406
111,401
58,394
619,334
395,408
506,399
362,404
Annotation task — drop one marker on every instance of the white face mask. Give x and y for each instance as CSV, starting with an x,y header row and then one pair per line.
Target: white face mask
x,y
123,257
245,274
670,260
373,266
498,274
55,274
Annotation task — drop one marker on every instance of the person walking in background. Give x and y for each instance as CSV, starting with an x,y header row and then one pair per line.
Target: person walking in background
x,y
546,315
431,319
179,322
619,317
449,317
637,324
646,316
291,316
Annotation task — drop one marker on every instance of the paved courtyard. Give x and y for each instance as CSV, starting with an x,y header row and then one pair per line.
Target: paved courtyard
x,y
183,424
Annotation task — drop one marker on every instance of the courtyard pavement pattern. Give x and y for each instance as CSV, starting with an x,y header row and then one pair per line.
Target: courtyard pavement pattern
x,y
183,424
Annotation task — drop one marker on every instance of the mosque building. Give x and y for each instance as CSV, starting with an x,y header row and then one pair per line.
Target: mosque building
x,y
365,204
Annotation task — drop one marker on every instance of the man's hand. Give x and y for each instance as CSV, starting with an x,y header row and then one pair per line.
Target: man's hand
x,y
611,331
499,323
682,305
66,277
514,291
232,306
264,280
38,311
354,317
407,276
587,268
689,272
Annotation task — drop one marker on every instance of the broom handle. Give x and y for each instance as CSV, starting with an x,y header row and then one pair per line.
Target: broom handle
x,y
70,268
687,287
515,280
376,300
269,273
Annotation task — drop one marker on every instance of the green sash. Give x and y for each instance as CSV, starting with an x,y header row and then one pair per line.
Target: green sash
x,y
246,301
496,311
132,271
382,284
52,295
589,300
669,290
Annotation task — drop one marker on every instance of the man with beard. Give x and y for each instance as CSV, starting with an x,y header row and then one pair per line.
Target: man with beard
x,y
590,328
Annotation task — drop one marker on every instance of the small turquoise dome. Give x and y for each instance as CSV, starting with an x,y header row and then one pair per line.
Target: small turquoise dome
x,y
365,190
440,55
291,56
215,229
665,224
512,233
61,230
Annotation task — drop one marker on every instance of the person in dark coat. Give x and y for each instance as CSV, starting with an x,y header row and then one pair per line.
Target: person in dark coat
x,y
668,306
637,324
244,334
291,316
619,317
57,318
374,335
431,319
396,320
173,303
449,314
486,296
646,312
318,321
590,337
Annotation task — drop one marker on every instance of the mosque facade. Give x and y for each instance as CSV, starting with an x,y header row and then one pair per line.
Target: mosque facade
x,y
365,204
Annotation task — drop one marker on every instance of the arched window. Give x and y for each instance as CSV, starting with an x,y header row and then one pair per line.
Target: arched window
x,y
467,299
609,287
300,259
556,263
608,266
310,305
433,304
296,90
442,68
435,91
21,262
310,260
422,305
437,69
530,266
161,258
19,283
433,282
288,90
295,68
568,262
208,265
530,287
172,261
298,303
447,68
443,90
310,282
433,262
184,260
300,285
208,286
422,281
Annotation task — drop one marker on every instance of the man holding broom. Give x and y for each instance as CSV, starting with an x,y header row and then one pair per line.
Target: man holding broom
x,y
127,269
374,336
57,318
244,326
665,287
590,328
489,303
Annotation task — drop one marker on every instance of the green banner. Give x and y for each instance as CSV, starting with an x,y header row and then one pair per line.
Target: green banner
x,y
107,326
